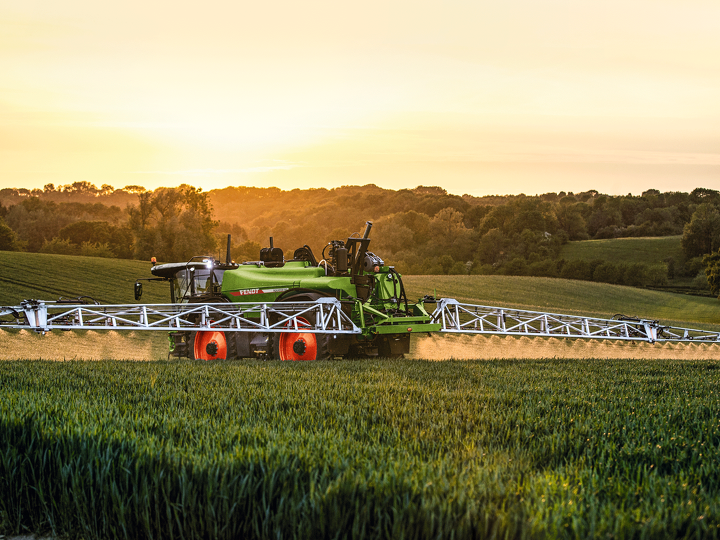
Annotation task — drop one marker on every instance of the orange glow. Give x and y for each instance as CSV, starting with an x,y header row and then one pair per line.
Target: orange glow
x,y
478,97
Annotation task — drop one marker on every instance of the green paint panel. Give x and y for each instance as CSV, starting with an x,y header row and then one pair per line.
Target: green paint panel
x,y
403,328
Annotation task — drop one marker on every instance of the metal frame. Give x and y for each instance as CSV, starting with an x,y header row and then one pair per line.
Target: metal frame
x,y
459,318
276,317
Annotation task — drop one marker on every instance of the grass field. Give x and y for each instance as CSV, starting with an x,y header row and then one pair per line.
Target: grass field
x,y
571,447
47,277
568,296
372,449
630,250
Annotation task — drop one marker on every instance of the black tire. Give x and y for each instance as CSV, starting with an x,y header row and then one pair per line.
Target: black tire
x,y
191,345
321,339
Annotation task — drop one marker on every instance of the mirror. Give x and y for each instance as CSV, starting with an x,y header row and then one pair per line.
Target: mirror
x,y
138,290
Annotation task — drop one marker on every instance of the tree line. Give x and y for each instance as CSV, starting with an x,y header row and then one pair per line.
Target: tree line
x,y
421,231
172,224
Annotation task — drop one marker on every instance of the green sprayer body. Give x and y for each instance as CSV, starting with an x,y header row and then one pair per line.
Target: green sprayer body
x,y
371,292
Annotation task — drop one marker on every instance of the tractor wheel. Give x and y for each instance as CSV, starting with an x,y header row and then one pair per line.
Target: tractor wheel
x,y
210,345
204,338
301,345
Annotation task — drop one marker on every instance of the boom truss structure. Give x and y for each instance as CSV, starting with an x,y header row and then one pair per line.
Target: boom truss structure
x,y
231,317
456,317
288,317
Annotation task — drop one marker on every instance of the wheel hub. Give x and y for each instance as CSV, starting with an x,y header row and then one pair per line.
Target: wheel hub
x,y
299,347
212,348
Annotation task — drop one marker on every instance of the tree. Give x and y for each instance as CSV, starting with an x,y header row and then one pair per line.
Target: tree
x,y
116,239
577,269
87,231
80,188
173,224
704,195
492,246
702,234
712,271
390,235
446,262
8,238
59,247
570,220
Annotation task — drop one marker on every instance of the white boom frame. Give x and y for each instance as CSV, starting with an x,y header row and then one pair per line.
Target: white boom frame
x,y
274,317
456,317
278,317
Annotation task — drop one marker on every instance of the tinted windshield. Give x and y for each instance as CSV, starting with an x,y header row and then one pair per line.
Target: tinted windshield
x,y
194,281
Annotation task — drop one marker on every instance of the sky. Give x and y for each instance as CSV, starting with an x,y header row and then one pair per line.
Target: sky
x,y
479,97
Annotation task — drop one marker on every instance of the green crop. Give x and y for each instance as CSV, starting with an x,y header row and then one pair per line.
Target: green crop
x,y
371,449
47,277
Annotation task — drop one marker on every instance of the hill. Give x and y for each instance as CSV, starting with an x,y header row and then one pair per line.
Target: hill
x,y
568,296
46,277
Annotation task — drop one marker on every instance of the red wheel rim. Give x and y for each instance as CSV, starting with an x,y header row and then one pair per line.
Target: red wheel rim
x,y
298,345
210,345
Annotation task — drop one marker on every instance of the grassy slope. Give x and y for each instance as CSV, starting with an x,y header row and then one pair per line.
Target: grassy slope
x,y
36,275
47,277
567,296
631,250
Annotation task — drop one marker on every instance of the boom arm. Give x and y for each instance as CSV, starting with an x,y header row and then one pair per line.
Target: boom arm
x,y
459,318
278,317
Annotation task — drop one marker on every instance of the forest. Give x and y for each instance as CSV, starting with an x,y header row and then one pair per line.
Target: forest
x,y
421,231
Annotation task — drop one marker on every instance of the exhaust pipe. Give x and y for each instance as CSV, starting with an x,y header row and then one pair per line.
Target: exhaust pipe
x,y
228,260
368,226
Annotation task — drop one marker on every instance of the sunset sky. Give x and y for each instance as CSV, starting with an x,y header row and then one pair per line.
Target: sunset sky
x,y
478,97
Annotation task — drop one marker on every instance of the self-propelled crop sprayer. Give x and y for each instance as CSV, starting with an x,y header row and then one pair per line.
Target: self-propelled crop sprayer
x,y
349,303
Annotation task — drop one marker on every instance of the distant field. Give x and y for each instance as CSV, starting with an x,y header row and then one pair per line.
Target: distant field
x,y
567,296
47,277
631,250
